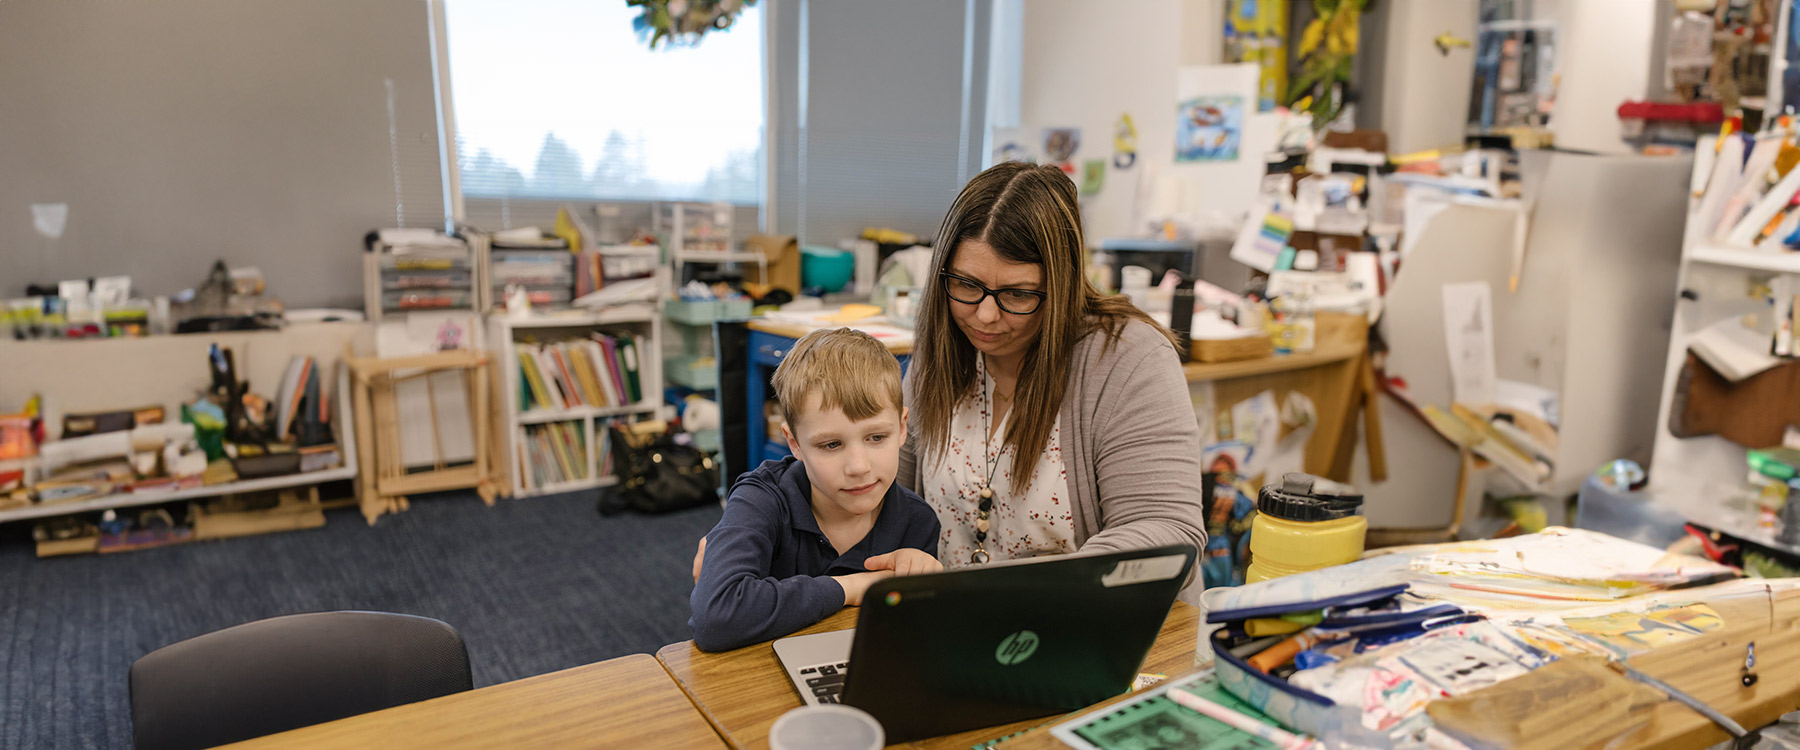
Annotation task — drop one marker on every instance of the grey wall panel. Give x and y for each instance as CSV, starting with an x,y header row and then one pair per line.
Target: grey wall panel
x,y
180,131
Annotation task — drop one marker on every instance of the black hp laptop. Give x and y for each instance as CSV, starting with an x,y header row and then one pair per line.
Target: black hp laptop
x,y
977,647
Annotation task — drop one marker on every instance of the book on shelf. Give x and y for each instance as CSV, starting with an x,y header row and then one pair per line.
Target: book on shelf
x,y
553,453
631,369
603,457
601,371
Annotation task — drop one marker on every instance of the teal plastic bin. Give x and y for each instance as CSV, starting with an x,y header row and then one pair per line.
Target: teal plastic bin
x,y
826,268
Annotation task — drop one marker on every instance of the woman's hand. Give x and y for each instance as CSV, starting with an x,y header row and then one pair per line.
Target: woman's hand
x,y
905,562
857,584
699,557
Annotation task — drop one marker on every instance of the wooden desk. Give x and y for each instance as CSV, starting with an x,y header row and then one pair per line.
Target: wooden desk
x,y
743,692
768,343
625,702
788,330
1705,667
1336,375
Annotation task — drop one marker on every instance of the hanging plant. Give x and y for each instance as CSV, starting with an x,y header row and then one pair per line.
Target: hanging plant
x,y
1327,49
684,22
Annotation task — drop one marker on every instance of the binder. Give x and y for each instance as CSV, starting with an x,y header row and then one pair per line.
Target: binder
x,y
630,361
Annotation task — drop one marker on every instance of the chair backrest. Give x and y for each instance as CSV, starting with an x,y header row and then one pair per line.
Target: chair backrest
x,y
287,672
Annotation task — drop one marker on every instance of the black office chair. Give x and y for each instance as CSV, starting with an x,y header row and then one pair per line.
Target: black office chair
x,y
288,672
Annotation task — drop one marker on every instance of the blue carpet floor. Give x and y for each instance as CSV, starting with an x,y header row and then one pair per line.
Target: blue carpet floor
x,y
534,585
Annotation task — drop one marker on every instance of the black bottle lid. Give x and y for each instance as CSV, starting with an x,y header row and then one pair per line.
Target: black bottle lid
x,y
1298,498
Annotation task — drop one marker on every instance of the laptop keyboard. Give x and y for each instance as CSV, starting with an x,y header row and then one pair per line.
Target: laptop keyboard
x,y
826,681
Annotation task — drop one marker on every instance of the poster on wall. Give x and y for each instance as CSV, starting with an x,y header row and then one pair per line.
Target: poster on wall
x,y
1060,145
1093,176
1124,142
1254,33
1209,128
1014,144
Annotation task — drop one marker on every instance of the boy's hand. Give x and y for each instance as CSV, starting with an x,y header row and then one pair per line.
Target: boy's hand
x,y
699,557
905,562
857,584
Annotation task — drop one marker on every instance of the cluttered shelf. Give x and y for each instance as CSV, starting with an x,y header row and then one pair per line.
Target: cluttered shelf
x,y
342,451
718,256
634,313
1742,257
541,416
1325,354
1726,509
129,499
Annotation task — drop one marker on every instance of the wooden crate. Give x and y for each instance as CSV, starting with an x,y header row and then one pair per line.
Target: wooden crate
x,y
298,509
81,545
1231,350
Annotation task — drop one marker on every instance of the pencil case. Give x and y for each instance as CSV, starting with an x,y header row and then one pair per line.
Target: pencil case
x,y
1362,603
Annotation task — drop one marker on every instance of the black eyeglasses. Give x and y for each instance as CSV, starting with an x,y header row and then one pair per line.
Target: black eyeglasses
x,y
971,292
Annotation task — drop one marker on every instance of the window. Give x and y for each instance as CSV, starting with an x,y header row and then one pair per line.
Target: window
x,y
559,99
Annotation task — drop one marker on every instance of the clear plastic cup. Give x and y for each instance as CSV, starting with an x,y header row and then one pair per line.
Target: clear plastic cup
x,y
827,727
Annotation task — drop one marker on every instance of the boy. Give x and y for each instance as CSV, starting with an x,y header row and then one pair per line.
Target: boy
x,y
806,535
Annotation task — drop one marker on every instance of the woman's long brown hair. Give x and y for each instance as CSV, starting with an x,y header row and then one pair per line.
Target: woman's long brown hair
x,y
1028,214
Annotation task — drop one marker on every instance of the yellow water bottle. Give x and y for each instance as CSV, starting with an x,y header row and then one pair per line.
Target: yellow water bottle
x,y
1305,523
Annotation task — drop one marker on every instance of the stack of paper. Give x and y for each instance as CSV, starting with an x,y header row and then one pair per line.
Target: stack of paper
x,y
1558,565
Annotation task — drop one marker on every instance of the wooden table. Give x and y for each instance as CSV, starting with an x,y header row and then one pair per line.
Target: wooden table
x,y
625,702
743,692
1705,667
792,331
768,342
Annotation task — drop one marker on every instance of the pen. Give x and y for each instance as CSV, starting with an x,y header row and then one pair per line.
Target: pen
x,y
1240,722
1382,638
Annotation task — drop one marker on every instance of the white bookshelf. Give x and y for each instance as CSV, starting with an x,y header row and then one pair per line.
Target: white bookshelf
x,y
1745,258
641,319
1703,478
346,441
700,233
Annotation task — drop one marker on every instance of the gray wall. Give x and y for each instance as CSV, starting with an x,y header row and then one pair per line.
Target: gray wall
x,y
181,131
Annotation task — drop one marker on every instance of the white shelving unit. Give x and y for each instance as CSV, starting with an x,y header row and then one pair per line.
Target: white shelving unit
x,y
346,449
642,319
1703,478
700,233
682,257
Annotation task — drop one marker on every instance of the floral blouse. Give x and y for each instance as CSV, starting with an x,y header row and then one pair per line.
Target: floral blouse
x,y
1036,522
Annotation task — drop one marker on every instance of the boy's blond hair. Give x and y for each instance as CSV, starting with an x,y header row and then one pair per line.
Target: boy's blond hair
x,y
849,369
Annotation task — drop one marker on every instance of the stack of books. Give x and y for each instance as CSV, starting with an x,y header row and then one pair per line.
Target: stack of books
x,y
598,371
554,453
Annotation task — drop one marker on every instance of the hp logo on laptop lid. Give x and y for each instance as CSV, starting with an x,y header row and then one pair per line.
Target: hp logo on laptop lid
x,y
1016,648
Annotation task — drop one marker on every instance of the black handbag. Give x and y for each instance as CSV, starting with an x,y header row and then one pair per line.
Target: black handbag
x,y
659,475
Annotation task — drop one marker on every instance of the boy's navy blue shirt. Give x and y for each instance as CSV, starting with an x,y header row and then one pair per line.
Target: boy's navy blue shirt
x,y
768,567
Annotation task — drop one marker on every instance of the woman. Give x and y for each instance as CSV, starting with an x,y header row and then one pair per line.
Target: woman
x,y
1045,417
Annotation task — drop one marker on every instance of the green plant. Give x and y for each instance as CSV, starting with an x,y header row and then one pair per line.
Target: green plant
x,y
1327,49
684,21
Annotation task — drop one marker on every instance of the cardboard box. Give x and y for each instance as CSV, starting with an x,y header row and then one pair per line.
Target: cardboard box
x,y
783,254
